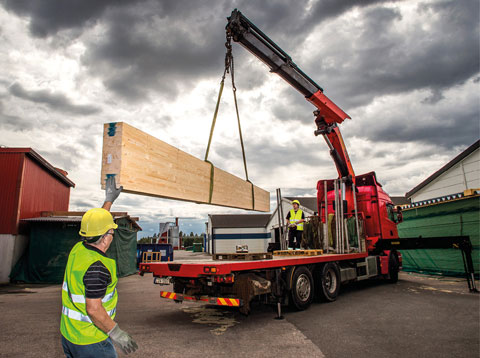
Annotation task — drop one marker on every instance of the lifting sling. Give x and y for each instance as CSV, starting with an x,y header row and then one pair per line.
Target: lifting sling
x,y
229,68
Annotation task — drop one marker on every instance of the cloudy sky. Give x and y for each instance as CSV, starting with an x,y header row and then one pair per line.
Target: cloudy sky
x,y
407,72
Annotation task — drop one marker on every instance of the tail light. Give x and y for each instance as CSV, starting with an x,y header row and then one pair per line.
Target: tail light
x,y
225,279
210,269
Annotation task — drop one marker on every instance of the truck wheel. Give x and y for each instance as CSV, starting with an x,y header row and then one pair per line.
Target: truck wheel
x,y
393,267
328,282
302,291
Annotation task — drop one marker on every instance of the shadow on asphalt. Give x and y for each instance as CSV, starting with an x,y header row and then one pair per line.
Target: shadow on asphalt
x,y
22,288
363,285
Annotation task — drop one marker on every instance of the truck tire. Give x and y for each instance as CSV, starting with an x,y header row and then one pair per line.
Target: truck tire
x,y
393,267
328,282
303,290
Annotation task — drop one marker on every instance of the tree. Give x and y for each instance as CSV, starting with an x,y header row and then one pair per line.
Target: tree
x,y
145,240
187,241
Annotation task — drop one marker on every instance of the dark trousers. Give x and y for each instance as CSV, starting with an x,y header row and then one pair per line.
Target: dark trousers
x,y
294,238
104,349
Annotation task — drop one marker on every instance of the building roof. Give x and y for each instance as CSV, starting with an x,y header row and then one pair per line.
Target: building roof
x,y
309,202
446,167
400,200
57,173
239,220
76,217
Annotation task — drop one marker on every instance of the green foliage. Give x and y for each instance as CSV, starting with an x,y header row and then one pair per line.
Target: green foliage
x,y
189,240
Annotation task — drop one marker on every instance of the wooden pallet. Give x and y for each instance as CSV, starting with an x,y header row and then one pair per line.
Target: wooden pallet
x,y
244,256
298,252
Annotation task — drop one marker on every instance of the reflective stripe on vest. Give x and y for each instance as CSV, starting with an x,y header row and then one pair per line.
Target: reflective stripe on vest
x,y
294,217
70,313
81,298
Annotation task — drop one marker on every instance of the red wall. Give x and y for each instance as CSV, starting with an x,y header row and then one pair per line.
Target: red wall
x,y
41,191
26,193
10,175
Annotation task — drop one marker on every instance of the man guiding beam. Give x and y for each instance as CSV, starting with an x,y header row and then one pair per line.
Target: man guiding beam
x,y
89,296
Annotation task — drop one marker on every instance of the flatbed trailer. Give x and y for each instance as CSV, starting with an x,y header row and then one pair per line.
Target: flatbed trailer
x,y
294,280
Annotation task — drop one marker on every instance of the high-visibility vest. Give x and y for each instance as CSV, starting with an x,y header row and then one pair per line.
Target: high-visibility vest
x,y
295,216
75,325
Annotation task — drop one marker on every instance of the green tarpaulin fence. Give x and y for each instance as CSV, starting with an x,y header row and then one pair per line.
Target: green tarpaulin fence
x,y
455,218
50,243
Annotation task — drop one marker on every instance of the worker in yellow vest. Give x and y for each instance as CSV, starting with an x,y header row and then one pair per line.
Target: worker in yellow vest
x,y
89,294
295,218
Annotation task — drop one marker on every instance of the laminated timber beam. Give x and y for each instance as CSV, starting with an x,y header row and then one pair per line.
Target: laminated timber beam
x,y
145,165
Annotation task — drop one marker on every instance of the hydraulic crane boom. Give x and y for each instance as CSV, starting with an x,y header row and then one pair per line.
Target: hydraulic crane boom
x,y
328,114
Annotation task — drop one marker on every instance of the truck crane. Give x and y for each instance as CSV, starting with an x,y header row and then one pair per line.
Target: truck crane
x,y
297,280
356,194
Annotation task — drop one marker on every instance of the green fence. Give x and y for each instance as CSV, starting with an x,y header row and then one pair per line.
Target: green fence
x,y
455,218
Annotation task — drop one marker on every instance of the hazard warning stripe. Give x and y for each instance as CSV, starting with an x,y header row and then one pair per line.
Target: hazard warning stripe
x,y
170,295
228,302
220,301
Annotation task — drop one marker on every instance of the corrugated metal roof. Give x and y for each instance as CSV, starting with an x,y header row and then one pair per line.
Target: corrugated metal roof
x,y
400,200
239,220
447,166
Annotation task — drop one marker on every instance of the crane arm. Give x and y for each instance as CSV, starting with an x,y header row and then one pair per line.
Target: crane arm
x,y
328,114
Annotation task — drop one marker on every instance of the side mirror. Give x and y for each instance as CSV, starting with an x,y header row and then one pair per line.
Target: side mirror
x,y
399,215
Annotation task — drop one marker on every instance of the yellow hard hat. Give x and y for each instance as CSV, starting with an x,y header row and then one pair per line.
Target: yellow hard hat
x,y
296,202
96,222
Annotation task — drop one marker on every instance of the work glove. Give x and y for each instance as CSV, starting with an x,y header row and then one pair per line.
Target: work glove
x,y
111,191
123,340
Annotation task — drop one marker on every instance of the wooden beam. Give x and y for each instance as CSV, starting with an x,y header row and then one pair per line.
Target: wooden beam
x,y
145,165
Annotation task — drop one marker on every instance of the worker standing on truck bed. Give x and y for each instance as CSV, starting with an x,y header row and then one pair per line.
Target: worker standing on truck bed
x,y
295,218
89,296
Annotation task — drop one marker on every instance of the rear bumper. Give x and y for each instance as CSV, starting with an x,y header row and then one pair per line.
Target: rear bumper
x,y
218,301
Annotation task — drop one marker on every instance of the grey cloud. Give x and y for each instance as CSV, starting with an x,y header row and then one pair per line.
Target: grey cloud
x,y
14,123
382,60
292,106
65,156
166,46
87,143
262,158
292,22
55,101
81,204
298,192
47,17
455,130
144,50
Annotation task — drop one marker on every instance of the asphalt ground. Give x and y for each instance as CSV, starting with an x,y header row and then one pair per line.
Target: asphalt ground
x,y
420,316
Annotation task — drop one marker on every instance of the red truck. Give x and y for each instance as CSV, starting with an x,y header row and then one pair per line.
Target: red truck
x,y
297,280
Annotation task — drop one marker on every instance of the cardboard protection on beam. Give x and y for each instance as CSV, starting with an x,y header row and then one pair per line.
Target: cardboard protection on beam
x,y
145,165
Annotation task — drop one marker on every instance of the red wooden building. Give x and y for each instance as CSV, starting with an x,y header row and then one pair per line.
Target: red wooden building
x,y
28,186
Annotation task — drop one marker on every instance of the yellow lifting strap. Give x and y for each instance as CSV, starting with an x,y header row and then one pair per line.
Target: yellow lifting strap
x,y
229,68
